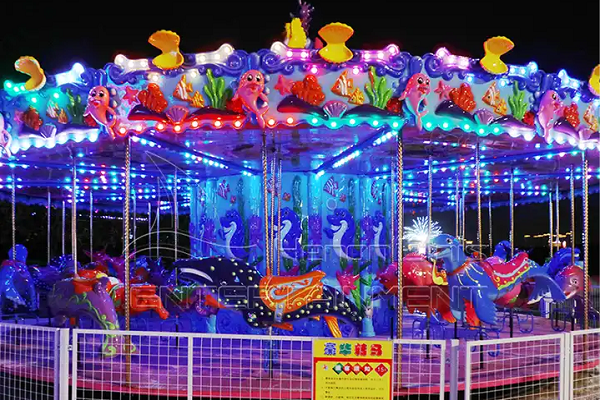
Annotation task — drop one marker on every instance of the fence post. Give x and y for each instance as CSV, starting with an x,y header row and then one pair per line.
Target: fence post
x,y
62,369
468,370
567,370
190,368
454,366
74,351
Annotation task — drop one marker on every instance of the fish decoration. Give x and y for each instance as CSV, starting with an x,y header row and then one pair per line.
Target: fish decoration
x,y
62,117
358,97
52,110
343,85
590,118
492,98
223,190
184,91
331,187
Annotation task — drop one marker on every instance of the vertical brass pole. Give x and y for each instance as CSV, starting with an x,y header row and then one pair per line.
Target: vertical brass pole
x,y
586,246
490,223
572,187
279,238
400,228
478,183
266,205
457,209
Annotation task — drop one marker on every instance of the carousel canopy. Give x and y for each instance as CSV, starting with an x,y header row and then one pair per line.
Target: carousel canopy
x,y
321,109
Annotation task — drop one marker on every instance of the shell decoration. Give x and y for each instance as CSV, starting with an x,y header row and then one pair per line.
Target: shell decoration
x,y
168,43
335,35
30,66
495,48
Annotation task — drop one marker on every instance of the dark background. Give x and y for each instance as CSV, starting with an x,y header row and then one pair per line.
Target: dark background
x,y
556,35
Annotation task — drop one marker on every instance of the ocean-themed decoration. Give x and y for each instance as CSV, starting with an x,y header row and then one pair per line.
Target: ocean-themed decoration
x,y
517,103
309,90
255,229
376,193
168,43
358,97
377,91
589,117
98,107
216,91
343,85
315,229
233,232
331,186
197,100
415,97
463,97
594,81
288,234
418,235
31,118
341,232
16,283
30,66
250,89
343,198
550,107
278,300
62,117
495,48
130,95
287,196
571,114
153,98
75,297
206,235
284,85
143,298
335,35
183,89
52,110
484,116
347,280
492,98
443,90
295,36
5,138
223,189
488,284
76,108
177,114
529,118
233,199
335,108
48,130
394,105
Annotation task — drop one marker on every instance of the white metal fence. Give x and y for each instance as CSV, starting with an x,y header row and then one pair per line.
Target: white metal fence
x,y
46,363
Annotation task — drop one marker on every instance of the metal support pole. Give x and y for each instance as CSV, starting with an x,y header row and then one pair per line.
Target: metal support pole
x,y
158,218
134,222
490,223
91,225
74,218
13,218
175,215
400,227
512,214
150,229
266,204
64,221
48,230
429,201
457,209
478,183
557,200
551,218
463,216
279,238
572,182
586,246
126,288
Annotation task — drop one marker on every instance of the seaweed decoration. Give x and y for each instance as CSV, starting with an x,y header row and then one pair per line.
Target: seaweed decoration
x,y
75,107
377,91
517,103
216,92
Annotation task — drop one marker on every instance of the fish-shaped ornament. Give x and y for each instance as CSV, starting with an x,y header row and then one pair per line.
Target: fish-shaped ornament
x,y
183,89
492,98
331,186
343,85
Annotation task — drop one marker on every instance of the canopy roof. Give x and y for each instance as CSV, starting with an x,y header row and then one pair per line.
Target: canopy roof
x,y
321,110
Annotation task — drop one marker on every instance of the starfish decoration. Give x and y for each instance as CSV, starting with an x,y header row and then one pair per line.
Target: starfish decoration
x,y
130,94
443,90
284,85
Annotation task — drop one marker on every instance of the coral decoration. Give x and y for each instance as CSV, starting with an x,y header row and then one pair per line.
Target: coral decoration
x,y
62,117
529,118
90,121
235,106
571,114
463,97
343,198
309,90
153,99
32,119
394,105
590,118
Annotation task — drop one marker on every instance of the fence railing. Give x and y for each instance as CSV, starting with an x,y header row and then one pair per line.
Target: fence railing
x,y
50,363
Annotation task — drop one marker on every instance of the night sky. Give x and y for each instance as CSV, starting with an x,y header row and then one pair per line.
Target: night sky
x,y
556,35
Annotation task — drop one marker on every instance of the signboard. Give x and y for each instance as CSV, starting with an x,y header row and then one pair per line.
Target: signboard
x,y
352,369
